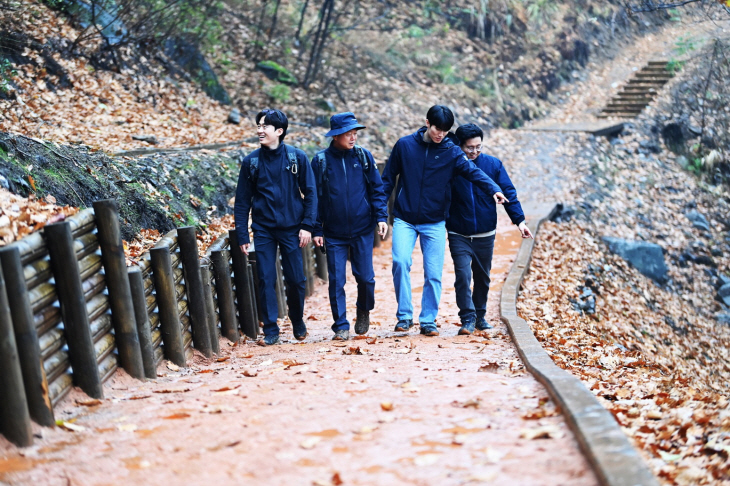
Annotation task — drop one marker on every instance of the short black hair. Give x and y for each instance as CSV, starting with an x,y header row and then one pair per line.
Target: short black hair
x,y
275,118
467,132
441,117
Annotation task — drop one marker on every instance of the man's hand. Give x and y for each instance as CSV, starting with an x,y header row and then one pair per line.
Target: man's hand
x,y
305,237
244,248
526,233
499,198
318,241
382,229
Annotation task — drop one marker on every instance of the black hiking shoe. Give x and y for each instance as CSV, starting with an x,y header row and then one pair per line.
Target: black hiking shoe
x,y
362,321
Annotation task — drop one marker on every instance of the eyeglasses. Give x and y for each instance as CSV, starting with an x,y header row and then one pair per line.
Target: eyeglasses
x,y
472,150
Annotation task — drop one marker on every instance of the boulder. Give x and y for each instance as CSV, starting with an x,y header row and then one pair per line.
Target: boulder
x,y
647,258
698,220
723,294
234,116
722,279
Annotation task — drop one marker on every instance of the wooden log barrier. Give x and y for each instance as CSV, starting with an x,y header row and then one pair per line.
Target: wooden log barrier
x,y
147,349
14,414
65,269
210,308
26,338
241,270
224,292
170,326
117,283
188,243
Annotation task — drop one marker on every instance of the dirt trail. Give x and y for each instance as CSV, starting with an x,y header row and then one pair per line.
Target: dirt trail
x,y
313,411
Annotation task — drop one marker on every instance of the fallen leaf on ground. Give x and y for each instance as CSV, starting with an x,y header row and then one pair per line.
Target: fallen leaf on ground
x,y
387,406
172,390
223,358
352,350
544,432
226,388
176,416
91,402
172,366
310,442
70,426
250,373
491,367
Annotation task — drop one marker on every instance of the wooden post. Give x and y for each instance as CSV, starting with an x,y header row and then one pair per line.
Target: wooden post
x,y
280,287
253,260
117,281
224,292
14,414
188,243
65,269
170,326
241,270
136,285
26,338
210,309
321,260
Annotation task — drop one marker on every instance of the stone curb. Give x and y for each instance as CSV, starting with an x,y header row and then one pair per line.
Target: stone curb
x,y
612,457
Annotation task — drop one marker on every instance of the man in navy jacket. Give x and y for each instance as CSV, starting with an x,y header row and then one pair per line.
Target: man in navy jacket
x,y
277,186
472,225
424,163
351,203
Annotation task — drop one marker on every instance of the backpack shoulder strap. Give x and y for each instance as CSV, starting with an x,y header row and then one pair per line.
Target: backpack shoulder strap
x,y
253,166
360,152
293,160
322,177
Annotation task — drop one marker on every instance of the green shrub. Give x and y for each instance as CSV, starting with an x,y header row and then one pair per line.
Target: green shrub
x,y
279,93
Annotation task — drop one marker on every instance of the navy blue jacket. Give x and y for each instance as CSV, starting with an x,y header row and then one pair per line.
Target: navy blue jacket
x,y
472,210
347,208
426,170
280,200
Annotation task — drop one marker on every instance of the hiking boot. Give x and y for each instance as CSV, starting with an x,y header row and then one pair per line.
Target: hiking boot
x,y
429,329
341,335
362,322
482,324
270,340
467,327
403,325
300,331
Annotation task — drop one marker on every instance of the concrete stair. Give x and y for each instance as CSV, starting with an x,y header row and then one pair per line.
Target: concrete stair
x,y
638,91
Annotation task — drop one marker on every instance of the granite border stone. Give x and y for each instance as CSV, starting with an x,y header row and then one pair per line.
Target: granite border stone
x,y
610,453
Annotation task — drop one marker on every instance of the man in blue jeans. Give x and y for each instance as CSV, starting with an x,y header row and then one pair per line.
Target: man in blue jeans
x,y
351,203
424,163
472,225
276,186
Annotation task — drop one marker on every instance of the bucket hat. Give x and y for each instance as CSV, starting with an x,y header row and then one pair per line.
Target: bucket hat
x,y
343,123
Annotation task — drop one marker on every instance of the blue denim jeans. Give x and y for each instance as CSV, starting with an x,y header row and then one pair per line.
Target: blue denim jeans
x,y
266,242
471,255
433,243
360,250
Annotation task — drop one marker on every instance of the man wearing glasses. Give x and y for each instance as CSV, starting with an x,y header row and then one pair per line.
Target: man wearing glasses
x,y
472,224
277,186
424,164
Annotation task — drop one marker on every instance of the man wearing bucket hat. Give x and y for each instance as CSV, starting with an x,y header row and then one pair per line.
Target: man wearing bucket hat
x,y
351,202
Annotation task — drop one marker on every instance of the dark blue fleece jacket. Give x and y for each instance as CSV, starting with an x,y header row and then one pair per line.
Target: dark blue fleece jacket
x,y
472,210
280,199
348,208
426,170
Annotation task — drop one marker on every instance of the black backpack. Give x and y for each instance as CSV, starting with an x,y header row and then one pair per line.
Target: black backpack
x,y
253,163
323,179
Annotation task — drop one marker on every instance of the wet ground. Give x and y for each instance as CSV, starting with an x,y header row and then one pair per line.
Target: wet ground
x,y
394,408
